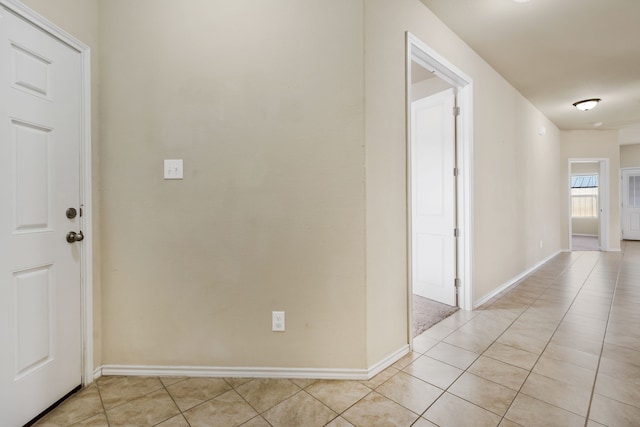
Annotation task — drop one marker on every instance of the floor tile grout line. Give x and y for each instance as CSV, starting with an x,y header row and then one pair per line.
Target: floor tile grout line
x,y
551,337
476,359
421,414
174,401
104,409
446,390
386,397
302,390
358,401
61,408
243,398
604,337
252,407
136,397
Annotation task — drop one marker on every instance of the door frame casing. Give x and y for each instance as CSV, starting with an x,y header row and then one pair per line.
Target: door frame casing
x,y
603,198
86,220
418,51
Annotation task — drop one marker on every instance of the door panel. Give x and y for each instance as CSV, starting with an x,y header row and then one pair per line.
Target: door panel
x,y
32,180
631,204
40,131
31,72
433,197
34,309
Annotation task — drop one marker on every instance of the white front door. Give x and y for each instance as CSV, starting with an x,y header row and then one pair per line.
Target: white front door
x,y
40,134
631,204
433,197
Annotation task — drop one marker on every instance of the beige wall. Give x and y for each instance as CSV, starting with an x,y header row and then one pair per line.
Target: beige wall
x,y
593,145
585,226
630,156
515,170
294,195
80,19
264,102
585,168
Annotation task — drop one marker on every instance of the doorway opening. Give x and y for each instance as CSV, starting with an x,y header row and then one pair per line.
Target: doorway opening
x,y
439,130
588,196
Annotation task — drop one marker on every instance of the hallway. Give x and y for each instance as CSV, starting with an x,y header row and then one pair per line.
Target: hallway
x,y
560,349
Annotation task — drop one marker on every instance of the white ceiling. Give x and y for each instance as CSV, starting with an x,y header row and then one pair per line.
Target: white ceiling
x,y
557,52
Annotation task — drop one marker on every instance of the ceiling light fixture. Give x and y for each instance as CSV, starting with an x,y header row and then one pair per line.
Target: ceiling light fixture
x,y
586,104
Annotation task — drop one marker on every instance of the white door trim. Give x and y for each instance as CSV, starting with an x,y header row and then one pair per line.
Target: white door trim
x,y
418,51
86,262
603,190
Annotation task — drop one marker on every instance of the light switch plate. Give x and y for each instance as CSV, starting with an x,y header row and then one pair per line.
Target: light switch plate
x,y
173,169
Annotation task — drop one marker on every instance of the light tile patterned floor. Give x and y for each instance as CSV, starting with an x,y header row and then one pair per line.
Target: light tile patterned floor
x,y
560,349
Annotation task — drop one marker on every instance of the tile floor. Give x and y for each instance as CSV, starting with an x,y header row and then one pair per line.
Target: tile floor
x,y
560,349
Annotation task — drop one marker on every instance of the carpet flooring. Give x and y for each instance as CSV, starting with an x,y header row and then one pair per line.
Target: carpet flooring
x,y
584,243
427,313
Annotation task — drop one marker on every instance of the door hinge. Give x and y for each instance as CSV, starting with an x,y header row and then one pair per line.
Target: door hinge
x,y
456,283
455,232
456,111
456,171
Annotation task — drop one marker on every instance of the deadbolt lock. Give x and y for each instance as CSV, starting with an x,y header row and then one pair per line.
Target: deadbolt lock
x,y
71,213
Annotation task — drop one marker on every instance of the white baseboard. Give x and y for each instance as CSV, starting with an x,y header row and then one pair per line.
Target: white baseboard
x,y
97,373
512,281
248,372
601,250
376,368
584,235
234,372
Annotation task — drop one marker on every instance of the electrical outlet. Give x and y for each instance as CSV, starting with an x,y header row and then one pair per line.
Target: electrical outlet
x,y
277,321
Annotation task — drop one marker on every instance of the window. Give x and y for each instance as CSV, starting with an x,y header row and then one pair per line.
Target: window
x,y
584,196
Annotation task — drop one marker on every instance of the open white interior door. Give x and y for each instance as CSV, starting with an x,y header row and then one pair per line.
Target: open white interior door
x,y
631,204
40,294
433,197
